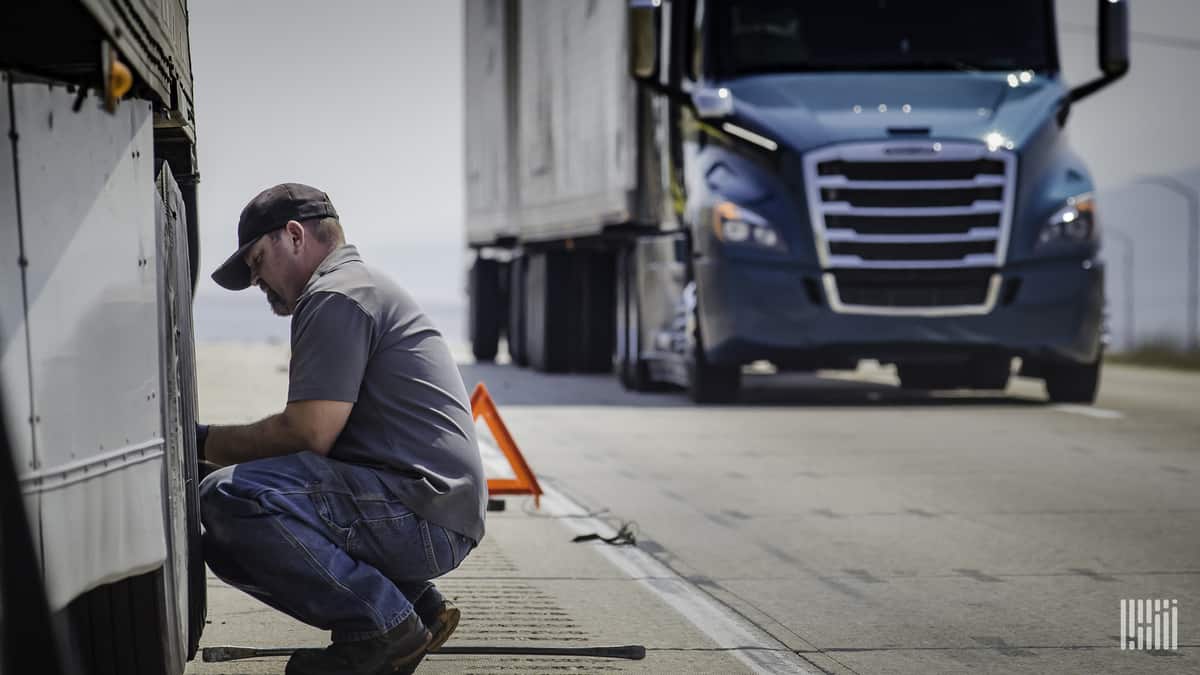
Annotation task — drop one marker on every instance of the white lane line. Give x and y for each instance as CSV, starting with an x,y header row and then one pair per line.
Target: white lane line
x,y
1088,411
765,654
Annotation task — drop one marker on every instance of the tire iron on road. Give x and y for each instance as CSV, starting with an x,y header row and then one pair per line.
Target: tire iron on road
x,y
631,652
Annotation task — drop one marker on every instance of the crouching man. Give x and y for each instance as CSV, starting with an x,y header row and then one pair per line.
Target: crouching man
x,y
339,510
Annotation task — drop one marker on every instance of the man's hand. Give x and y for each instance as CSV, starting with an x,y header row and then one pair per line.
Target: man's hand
x,y
311,426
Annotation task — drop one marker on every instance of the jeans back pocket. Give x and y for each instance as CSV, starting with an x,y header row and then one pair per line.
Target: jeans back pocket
x,y
399,546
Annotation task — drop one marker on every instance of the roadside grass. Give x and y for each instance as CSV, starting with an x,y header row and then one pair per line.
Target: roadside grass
x,y
1158,355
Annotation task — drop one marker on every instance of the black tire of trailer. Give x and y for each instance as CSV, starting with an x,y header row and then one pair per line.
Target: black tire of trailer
x,y
486,308
1072,382
180,295
548,311
591,311
632,370
515,333
132,626
710,382
117,628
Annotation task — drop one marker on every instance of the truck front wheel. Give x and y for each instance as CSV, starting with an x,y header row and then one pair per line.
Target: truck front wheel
x,y
710,382
1072,382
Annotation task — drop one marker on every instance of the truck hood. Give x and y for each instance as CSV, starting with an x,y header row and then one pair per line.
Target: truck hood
x,y
808,110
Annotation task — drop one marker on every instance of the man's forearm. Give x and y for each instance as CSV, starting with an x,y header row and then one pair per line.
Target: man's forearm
x,y
269,437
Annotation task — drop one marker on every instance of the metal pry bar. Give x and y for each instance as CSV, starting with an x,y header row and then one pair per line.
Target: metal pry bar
x,y
631,652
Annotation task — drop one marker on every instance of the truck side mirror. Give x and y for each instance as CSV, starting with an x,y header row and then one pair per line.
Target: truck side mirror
x,y
643,40
1114,52
1114,37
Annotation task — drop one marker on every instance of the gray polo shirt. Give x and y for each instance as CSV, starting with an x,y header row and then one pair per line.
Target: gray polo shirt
x,y
359,337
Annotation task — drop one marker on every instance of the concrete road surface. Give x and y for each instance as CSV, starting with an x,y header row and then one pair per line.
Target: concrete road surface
x,y
871,530
874,530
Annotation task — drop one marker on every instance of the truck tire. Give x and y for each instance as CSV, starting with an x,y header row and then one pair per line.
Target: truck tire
x,y
516,312
548,311
710,382
632,371
151,623
591,318
486,303
1072,382
180,407
121,628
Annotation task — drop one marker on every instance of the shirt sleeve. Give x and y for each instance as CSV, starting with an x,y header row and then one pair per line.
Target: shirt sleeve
x,y
332,338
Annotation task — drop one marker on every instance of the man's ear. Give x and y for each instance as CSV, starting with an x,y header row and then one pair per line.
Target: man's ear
x,y
295,233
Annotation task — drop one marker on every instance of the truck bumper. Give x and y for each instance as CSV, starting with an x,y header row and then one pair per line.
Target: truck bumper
x,y
1049,310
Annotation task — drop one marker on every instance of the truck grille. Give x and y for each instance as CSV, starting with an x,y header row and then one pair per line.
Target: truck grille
x,y
911,227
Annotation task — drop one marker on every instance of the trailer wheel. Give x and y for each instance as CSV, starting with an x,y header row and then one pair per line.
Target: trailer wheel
x,y
486,302
591,311
184,575
517,350
1072,382
151,623
121,628
548,311
183,398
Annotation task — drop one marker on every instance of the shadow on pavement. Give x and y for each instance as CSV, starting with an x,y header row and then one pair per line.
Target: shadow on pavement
x,y
510,385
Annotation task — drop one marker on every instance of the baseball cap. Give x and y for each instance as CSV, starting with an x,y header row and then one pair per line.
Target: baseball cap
x,y
270,211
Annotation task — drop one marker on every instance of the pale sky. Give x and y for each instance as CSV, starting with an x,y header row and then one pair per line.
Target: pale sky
x,y
362,99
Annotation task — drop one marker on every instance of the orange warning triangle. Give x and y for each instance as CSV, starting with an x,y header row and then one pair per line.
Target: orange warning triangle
x,y
524,482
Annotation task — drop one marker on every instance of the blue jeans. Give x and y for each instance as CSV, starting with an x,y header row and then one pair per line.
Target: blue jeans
x,y
323,541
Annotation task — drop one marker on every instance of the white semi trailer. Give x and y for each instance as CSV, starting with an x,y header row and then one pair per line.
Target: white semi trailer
x,y
97,266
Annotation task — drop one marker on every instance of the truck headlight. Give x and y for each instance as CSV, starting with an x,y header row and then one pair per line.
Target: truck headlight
x,y
1074,223
735,225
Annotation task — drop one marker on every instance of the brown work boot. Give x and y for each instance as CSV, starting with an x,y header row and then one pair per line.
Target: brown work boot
x,y
439,615
397,651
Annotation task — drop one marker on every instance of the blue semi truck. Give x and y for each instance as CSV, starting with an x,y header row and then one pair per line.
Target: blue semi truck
x,y
674,189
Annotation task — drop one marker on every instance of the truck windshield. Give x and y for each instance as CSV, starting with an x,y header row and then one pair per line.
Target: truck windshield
x,y
761,36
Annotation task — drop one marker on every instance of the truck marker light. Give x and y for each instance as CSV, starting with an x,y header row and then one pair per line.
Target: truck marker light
x,y
747,135
118,79
728,223
723,212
